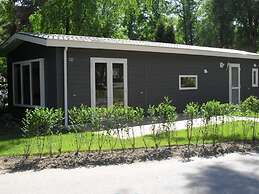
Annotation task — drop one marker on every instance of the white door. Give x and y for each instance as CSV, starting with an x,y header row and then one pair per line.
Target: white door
x,y
108,82
234,83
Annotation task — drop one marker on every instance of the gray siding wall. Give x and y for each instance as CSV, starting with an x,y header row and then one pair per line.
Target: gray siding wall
x,y
151,76
52,64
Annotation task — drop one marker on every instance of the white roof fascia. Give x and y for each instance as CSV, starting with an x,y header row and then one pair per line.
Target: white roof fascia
x,y
22,37
32,39
145,48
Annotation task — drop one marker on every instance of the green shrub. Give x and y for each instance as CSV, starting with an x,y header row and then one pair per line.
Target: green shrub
x,y
41,122
250,108
250,105
80,116
153,117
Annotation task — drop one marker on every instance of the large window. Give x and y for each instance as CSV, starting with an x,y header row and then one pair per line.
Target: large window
x,y
188,82
254,77
28,83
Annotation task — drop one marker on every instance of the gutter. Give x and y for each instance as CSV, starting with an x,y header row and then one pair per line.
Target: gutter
x,y
65,88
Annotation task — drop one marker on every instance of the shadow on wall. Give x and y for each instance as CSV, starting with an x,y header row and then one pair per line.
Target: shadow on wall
x,y
217,179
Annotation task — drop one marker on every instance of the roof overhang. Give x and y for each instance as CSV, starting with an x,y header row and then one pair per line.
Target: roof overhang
x,y
16,40
127,45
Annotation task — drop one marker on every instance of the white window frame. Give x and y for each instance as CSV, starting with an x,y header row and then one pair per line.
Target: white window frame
x,y
42,82
109,62
255,70
188,88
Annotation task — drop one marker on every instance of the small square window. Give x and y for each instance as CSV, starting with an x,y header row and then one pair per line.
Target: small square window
x,y
188,82
254,77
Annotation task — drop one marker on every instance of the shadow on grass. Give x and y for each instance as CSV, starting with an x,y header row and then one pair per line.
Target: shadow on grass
x,y
217,179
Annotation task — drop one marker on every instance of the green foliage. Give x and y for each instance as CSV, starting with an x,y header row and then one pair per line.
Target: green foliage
x,y
250,107
210,109
218,23
80,116
112,128
41,121
166,111
191,111
251,104
187,13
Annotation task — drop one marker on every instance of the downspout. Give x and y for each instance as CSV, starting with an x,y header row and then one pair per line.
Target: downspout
x,y
65,88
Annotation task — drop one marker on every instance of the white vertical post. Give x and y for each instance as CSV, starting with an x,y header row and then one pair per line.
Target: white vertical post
x,y
65,87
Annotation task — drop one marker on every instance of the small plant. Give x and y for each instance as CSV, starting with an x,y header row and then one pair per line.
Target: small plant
x,y
192,112
166,113
152,116
59,142
129,116
251,108
78,140
211,111
49,138
110,130
81,118
120,124
40,122
98,126
232,110
223,112
247,124
27,148
138,120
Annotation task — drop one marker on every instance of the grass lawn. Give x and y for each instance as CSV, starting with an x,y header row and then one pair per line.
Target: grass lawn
x,y
12,146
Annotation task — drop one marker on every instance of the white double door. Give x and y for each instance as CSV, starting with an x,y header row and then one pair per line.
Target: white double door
x,y
234,83
109,82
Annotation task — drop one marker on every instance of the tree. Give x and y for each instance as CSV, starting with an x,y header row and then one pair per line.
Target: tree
x,y
206,33
223,15
186,10
217,23
165,32
8,23
247,24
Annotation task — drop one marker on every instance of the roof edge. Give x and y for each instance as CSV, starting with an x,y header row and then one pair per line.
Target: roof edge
x,y
40,39
144,48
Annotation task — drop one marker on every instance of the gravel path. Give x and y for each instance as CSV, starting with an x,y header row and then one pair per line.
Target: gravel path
x,y
233,173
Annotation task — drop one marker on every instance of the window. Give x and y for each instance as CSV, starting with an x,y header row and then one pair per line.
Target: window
x,y
109,81
254,77
28,83
188,82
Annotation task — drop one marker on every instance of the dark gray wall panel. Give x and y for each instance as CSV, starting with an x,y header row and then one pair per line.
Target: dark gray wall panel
x,y
151,76
60,76
28,51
